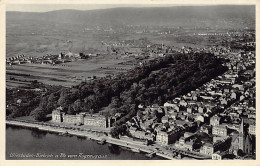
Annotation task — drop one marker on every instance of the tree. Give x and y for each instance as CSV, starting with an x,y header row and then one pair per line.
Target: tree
x,y
140,114
52,102
64,100
39,114
240,153
118,130
115,132
115,102
154,113
78,106
71,110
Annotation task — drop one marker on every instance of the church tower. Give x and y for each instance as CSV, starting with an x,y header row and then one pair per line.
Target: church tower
x,y
242,141
241,137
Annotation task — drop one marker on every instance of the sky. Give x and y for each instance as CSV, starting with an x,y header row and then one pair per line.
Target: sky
x,y
48,7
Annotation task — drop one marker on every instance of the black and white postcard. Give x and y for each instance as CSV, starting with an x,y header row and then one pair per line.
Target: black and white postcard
x,y
151,80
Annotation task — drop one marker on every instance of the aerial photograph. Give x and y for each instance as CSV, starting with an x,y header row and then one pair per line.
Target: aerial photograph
x,y
130,82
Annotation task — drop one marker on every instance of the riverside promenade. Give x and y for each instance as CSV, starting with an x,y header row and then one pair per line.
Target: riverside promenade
x,y
135,146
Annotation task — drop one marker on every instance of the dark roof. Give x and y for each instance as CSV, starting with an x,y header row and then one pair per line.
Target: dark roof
x,y
234,137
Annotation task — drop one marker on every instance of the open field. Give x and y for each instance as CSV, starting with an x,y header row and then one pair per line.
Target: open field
x,y
66,74
39,40
37,45
13,84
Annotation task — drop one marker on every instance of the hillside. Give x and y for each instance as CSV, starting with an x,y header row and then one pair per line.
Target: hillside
x,y
37,34
158,81
176,16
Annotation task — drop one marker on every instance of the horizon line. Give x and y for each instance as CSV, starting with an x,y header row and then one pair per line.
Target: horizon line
x,y
43,8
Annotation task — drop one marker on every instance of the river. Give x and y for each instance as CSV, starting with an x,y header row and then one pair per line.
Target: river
x,y
32,144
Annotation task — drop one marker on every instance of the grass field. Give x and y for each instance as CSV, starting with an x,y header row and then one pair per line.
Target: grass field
x,y
14,84
66,74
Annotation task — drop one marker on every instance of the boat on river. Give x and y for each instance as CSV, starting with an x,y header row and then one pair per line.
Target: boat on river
x,y
150,155
64,133
102,142
135,150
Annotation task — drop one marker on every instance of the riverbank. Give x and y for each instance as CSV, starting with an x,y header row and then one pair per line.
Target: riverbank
x,y
24,141
135,146
60,130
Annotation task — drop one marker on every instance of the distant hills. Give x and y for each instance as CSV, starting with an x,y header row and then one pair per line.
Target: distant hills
x,y
209,16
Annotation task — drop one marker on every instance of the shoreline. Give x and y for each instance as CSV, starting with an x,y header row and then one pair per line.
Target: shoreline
x,y
133,145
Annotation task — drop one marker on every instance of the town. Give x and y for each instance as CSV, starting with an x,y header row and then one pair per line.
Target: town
x,y
215,120
177,92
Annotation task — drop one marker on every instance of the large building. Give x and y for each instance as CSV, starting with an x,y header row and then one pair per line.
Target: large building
x,y
96,120
210,148
80,119
220,130
57,115
242,141
75,119
207,149
215,120
166,138
141,134
251,129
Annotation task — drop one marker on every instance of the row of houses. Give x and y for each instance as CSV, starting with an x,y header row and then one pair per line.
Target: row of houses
x,y
225,143
47,59
81,119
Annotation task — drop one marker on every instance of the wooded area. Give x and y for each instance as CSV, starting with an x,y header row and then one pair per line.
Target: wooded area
x,y
155,82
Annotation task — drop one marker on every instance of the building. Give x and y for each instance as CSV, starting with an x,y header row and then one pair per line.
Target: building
x,y
242,141
220,130
173,115
200,118
202,109
57,115
80,119
234,95
165,119
215,120
166,138
207,149
186,142
96,120
190,109
223,101
218,155
206,129
74,119
61,56
189,145
251,129
219,145
141,134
